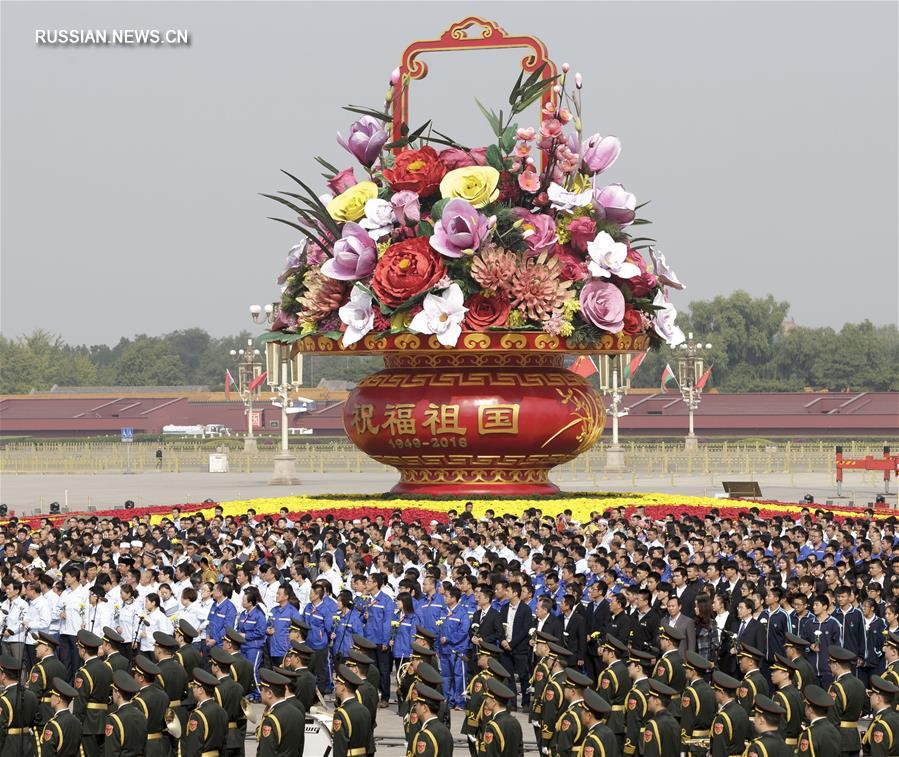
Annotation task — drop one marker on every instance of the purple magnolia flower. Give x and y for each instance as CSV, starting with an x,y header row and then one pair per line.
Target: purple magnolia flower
x,y
355,255
602,304
460,231
367,137
406,207
296,258
600,152
615,203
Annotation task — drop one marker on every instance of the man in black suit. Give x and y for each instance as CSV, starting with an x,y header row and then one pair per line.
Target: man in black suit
x,y
485,625
646,622
517,621
620,623
545,620
598,615
747,628
684,591
574,632
733,584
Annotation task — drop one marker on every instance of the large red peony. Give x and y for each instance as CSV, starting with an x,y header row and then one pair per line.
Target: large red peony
x,y
407,268
633,321
418,171
484,312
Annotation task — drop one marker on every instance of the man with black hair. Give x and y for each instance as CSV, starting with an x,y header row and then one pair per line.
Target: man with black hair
x,y
61,736
574,631
788,696
93,680
154,703
486,625
646,622
766,718
517,622
47,668
125,731
661,734
351,727
281,733
820,737
207,725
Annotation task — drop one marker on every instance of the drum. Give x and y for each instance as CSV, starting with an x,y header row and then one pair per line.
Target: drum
x,y
318,735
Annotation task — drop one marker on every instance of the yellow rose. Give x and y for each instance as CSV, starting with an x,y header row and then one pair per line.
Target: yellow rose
x,y
401,320
474,184
350,205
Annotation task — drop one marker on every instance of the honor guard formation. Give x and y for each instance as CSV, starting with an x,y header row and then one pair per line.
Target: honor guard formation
x,y
622,636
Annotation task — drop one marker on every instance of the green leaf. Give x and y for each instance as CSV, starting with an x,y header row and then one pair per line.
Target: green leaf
x,y
508,138
419,131
327,165
495,158
643,204
305,232
424,229
449,141
437,209
639,221
514,95
642,239
491,117
329,222
401,142
363,111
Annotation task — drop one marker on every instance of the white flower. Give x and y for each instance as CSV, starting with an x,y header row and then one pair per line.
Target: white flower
x,y
663,321
358,316
562,199
662,271
442,316
608,256
379,218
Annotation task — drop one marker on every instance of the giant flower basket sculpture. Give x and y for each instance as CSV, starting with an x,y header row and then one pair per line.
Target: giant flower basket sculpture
x,y
473,271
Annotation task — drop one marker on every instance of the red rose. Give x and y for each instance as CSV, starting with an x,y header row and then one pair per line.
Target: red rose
x,y
407,268
633,321
484,311
643,284
582,230
418,171
573,266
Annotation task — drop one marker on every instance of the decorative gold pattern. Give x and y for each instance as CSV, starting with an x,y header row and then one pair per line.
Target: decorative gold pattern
x,y
473,476
476,341
587,412
451,380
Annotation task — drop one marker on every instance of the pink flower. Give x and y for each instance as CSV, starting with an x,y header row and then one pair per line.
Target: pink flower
x,y
526,135
480,155
453,158
529,181
616,203
600,152
602,304
539,229
342,181
582,230
406,207
551,128
573,266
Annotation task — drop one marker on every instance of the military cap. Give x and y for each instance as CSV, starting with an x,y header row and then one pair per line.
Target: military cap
x,y
543,636
723,682
63,689
424,693
287,672
892,640
10,663
419,651
300,648
112,636
88,639
882,686
299,625
165,640
782,663
427,673
346,676
557,650
614,643
187,630
816,696
235,636
696,661
596,704
498,690
43,637
359,657
746,650
792,640
766,705
641,657
124,682
497,668
840,654
672,633
203,677
576,679
146,666
362,643
659,689
423,633
271,678
486,647
222,658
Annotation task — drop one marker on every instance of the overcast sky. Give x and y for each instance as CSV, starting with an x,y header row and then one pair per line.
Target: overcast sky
x,y
764,133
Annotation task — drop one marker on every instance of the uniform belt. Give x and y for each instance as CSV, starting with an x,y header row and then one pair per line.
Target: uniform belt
x,y
154,736
213,753
357,752
700,734
848,724
791,742
617,708
232,725
175,703
18,731
97,705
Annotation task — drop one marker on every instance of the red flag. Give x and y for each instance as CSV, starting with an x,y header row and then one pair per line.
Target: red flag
x,y
584,366
705,377
635,362
256,382
667,377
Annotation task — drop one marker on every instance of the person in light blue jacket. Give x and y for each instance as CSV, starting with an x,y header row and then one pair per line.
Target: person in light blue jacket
x,y
378,614
404,621
252,624
347,623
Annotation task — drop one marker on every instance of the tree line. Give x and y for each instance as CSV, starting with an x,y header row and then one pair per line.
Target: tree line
x,y
755,348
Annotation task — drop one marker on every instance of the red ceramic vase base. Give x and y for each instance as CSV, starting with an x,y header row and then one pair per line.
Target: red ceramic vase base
x,y
476,490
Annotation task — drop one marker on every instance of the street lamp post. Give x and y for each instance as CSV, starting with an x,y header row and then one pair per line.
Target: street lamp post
x,y
689,372
248,367
282,374
615,382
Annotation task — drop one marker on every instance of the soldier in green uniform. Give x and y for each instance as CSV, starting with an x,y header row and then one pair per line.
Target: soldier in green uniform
x,y
475,691
298,658
94,683
281,732
229,694
18,711
891,657
242,669
882,737
615,683
753,682
368,648
352,723
819,738
788,696
126,727
670,667
730,726
44,671
171,677
570,729
187,654
154,703
208,722
698,705
766,719
359,663
502,734
61,736
113,643
796,648
599,740
849,699
539,676
289,696
640,666
433,738
553,697
661,734
428,675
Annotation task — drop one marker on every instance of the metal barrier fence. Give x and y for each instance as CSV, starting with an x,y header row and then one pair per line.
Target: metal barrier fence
x,y
642,458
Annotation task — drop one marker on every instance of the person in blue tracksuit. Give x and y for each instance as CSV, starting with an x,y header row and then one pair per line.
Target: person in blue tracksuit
x,y
222,614
852,627
826,632
320,622
282,614
432,606
252,624
378,615
874,662
453,644
347,623
403,624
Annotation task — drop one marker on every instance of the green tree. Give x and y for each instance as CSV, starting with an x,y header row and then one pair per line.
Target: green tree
x,y
149,362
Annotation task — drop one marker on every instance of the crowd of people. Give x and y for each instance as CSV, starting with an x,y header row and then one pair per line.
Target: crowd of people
x,y
617,635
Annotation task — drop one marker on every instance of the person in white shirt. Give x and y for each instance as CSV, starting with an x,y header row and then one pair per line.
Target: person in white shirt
x,y
71,608
269,588
188,609
127,616
202,607
168,603
154,620
37,619
147,584
327,573
14,609
52,599
301,584
182,580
